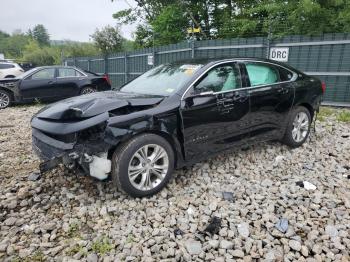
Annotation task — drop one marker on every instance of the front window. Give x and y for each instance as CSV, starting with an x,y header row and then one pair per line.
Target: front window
x,y
220,79
162,80
48,73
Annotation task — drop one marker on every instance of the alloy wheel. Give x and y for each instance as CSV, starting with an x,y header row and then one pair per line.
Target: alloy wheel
x,y
300,127
4,100
148,167
88,90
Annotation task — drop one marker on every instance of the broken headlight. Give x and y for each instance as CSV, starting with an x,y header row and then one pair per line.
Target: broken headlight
x,y
93,133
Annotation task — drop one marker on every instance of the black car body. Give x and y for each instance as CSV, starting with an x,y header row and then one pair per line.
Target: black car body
x,y
52,83
195,119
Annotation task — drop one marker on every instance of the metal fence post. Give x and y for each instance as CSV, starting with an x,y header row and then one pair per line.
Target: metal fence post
x,y
268,42
193,48
125,69
88,67
106,64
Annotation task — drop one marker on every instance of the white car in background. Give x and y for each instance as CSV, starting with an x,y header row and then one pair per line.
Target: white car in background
x,y
10,70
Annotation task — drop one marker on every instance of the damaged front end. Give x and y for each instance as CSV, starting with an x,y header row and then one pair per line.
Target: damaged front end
x,y
76,132
86,149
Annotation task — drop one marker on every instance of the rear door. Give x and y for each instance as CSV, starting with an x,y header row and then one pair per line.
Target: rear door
x,y
40,84
214,112
67,84
271,95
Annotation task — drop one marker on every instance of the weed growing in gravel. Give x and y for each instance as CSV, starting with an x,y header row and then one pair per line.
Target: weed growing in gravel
x,y
344,116
73,230
76,249
102,246
324,113
38,256
130,239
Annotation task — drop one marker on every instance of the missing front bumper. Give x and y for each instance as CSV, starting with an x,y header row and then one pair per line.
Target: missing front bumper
x,y
54,153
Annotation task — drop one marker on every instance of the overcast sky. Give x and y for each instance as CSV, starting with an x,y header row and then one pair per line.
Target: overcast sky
x,y
64,19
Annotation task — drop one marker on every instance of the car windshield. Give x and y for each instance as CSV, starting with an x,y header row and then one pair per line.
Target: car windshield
x,y
27,73
162,80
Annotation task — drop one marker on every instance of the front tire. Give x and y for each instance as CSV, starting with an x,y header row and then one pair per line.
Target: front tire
x,y
298,128
143,166
5,99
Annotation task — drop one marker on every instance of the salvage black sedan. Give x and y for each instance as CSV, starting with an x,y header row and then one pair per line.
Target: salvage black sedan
x,y
50,83
175,115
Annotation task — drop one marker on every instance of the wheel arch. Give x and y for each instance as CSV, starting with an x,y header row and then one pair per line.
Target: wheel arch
x,y
173,142
8,91
10,76
309,107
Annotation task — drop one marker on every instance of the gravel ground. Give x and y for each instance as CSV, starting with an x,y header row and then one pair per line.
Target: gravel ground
x,y
65,217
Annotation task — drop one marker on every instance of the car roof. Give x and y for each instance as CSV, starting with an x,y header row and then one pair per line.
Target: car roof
x,y
208,61
221,59
7,62
56,66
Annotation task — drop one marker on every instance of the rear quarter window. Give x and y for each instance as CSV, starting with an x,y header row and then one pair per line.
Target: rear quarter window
x,y
285,75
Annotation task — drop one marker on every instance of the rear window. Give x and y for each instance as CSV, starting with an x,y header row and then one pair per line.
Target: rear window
x,y
68,72
6,66
262,74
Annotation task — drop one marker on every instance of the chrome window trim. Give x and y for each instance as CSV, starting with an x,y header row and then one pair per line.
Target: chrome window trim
x,y
295,75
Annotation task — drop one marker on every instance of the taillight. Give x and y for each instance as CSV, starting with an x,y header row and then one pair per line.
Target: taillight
x,y
323,85
106,77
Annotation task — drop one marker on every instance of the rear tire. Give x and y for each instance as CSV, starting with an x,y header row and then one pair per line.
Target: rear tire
x,y
143,166
298,127
87,90
5,99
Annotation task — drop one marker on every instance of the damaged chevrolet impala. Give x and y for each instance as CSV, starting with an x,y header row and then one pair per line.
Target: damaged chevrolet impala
x,y
175,115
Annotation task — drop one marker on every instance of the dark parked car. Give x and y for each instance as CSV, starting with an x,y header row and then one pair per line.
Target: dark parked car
x,y
50,83
174,115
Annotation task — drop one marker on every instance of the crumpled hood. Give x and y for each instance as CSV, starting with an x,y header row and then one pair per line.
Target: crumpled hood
x,y
90,105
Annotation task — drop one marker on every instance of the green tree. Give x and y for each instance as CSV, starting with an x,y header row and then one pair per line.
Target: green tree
x,y
13,46
108,39
170,25
239,18
40,34
38,55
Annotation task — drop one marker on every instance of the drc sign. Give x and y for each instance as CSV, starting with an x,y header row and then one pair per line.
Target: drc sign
x,y
279,54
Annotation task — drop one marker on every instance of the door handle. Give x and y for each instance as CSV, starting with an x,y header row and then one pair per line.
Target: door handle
x,y
240,97
50,82
283,90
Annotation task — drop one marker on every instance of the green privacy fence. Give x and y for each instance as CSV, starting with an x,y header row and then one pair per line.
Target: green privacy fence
x,y
326,57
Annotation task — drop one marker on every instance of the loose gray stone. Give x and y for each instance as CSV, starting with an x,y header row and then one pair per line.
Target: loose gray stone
x,y
243,229
237,253
214,243
224,244
295,245
193,247
92,257
331,231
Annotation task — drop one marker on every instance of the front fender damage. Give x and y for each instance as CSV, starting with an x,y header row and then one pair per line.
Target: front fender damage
x,y
88,149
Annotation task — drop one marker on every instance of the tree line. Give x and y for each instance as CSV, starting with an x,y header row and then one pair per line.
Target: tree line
x,y
164,22
35,46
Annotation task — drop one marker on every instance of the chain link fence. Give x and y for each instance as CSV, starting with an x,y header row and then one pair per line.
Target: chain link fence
x,y
326,57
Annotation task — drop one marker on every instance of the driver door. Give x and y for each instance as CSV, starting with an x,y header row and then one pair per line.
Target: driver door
x,y
214,112
40,85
